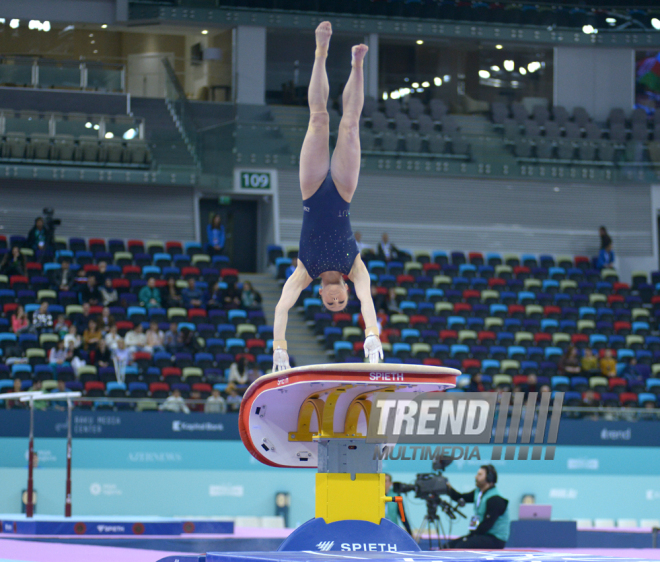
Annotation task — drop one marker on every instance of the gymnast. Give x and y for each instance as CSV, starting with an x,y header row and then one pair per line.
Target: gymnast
x,y
327,245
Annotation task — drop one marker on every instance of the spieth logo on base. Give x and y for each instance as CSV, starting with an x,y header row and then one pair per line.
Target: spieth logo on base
x,y
392,377
111,529
325,546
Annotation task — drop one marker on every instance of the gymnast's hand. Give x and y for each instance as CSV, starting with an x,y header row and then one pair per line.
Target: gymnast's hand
x,y
280,360
373,348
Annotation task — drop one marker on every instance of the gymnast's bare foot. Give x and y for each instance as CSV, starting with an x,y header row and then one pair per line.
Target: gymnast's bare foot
x,y
323,34
359,52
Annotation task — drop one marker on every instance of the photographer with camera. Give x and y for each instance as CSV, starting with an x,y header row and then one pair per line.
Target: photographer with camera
x,y
489,526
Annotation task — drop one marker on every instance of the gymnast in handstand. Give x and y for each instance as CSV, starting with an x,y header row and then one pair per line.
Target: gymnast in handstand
x,y
327,246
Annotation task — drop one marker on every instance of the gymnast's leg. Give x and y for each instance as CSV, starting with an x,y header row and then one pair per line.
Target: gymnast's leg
x,y
346,159
315,153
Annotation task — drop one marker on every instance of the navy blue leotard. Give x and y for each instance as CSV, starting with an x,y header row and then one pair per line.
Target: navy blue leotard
x,y
326,239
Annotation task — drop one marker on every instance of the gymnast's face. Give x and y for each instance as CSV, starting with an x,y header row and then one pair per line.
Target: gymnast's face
x,y
335,296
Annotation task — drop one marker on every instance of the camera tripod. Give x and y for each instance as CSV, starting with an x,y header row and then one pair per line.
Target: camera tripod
x,y
431,521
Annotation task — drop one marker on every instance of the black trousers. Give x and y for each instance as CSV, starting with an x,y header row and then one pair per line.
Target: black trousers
x,y
476,541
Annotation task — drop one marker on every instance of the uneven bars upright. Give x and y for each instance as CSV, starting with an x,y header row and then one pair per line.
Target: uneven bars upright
x,y
30,397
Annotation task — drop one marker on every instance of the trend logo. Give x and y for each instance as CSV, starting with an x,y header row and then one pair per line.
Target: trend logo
x,y
324,546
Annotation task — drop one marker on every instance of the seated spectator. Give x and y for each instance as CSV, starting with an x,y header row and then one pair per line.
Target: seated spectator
x,y
19,321
39,239
386,251
38,404
92,336
112,338
73,356
155,338
196,404
171,338
121,357
215,404
531,385
187,342
192,296
250,298
175,403
63,278
57,356
475,384
136,339
570,362
632,373
238,371
392,302
16,403
233,399
109,294
106,320
361,245
149,295
42,320
231,296
13,263
72,338
101,275
90,293
215,235
589,399
545,388
589,362
59,405
82,321
606,258
61,327
608,364
103,355
289,270
172,296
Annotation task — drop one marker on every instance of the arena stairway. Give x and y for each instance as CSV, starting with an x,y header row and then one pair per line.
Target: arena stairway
x,y
302,343
168,146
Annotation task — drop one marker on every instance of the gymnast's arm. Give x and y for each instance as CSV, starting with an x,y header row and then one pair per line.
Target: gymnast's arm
x,y
360,277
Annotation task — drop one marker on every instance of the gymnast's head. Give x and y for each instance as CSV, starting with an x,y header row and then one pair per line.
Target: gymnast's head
x,y
333,292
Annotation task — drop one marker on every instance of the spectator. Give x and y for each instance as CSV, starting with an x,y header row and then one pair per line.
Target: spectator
x,y
608,364
590,399
102,273
42,320
103,355
149,295
171,338
155,338
233,398
38,404
63,278
238,371
292,267
92,336
90,292
250,298
231,296
121,357
215,234
545,388
39,239
72,338
476,385
19,321
82,321
14,404
73,357
13,263
187,342
57,356
61,327
192,296
172,296
632,373
358,239
112,338
106,320
386,250
570,362
589,362
532,383
393,302
175,403
215,404
605,239
60,405
196,404
606,258
136,339
109,294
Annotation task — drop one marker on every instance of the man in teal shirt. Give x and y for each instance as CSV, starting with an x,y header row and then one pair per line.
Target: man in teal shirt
x,y
489,526
392,508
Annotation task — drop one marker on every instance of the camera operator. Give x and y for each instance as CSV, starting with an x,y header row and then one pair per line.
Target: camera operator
x,y
392,508
489,526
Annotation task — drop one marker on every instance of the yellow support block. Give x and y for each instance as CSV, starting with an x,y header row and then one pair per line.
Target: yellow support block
x,y
339,498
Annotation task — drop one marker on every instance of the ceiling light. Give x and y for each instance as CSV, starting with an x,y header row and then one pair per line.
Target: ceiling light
x,y
498,46
91,35
509,65
109,135
415,84
611,21
484,74
2,20
45,26
88,125
92,41
96,51
394,95
130,134
588,29
385,96
437,81
522,71
205,32
14,23
406,79
655,22
495,68
420,42
96,127
533,66
104,26
425,84
420,89
446,78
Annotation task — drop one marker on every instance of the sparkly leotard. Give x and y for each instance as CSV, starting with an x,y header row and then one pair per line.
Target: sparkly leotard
x,y
326,239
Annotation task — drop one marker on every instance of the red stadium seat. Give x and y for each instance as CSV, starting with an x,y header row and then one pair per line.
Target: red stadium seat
x,y
476,258
96,309
431,268
418,321
624,327
196,313
121,284
519,379
629,399
552,311
543,339
432,361
486,338
18,282
190,271
135,246
580,340
471,296
496,282
448,335
462,307
516,310
173,248
521,270
94,385
90,267
471,366
96,245
229,275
